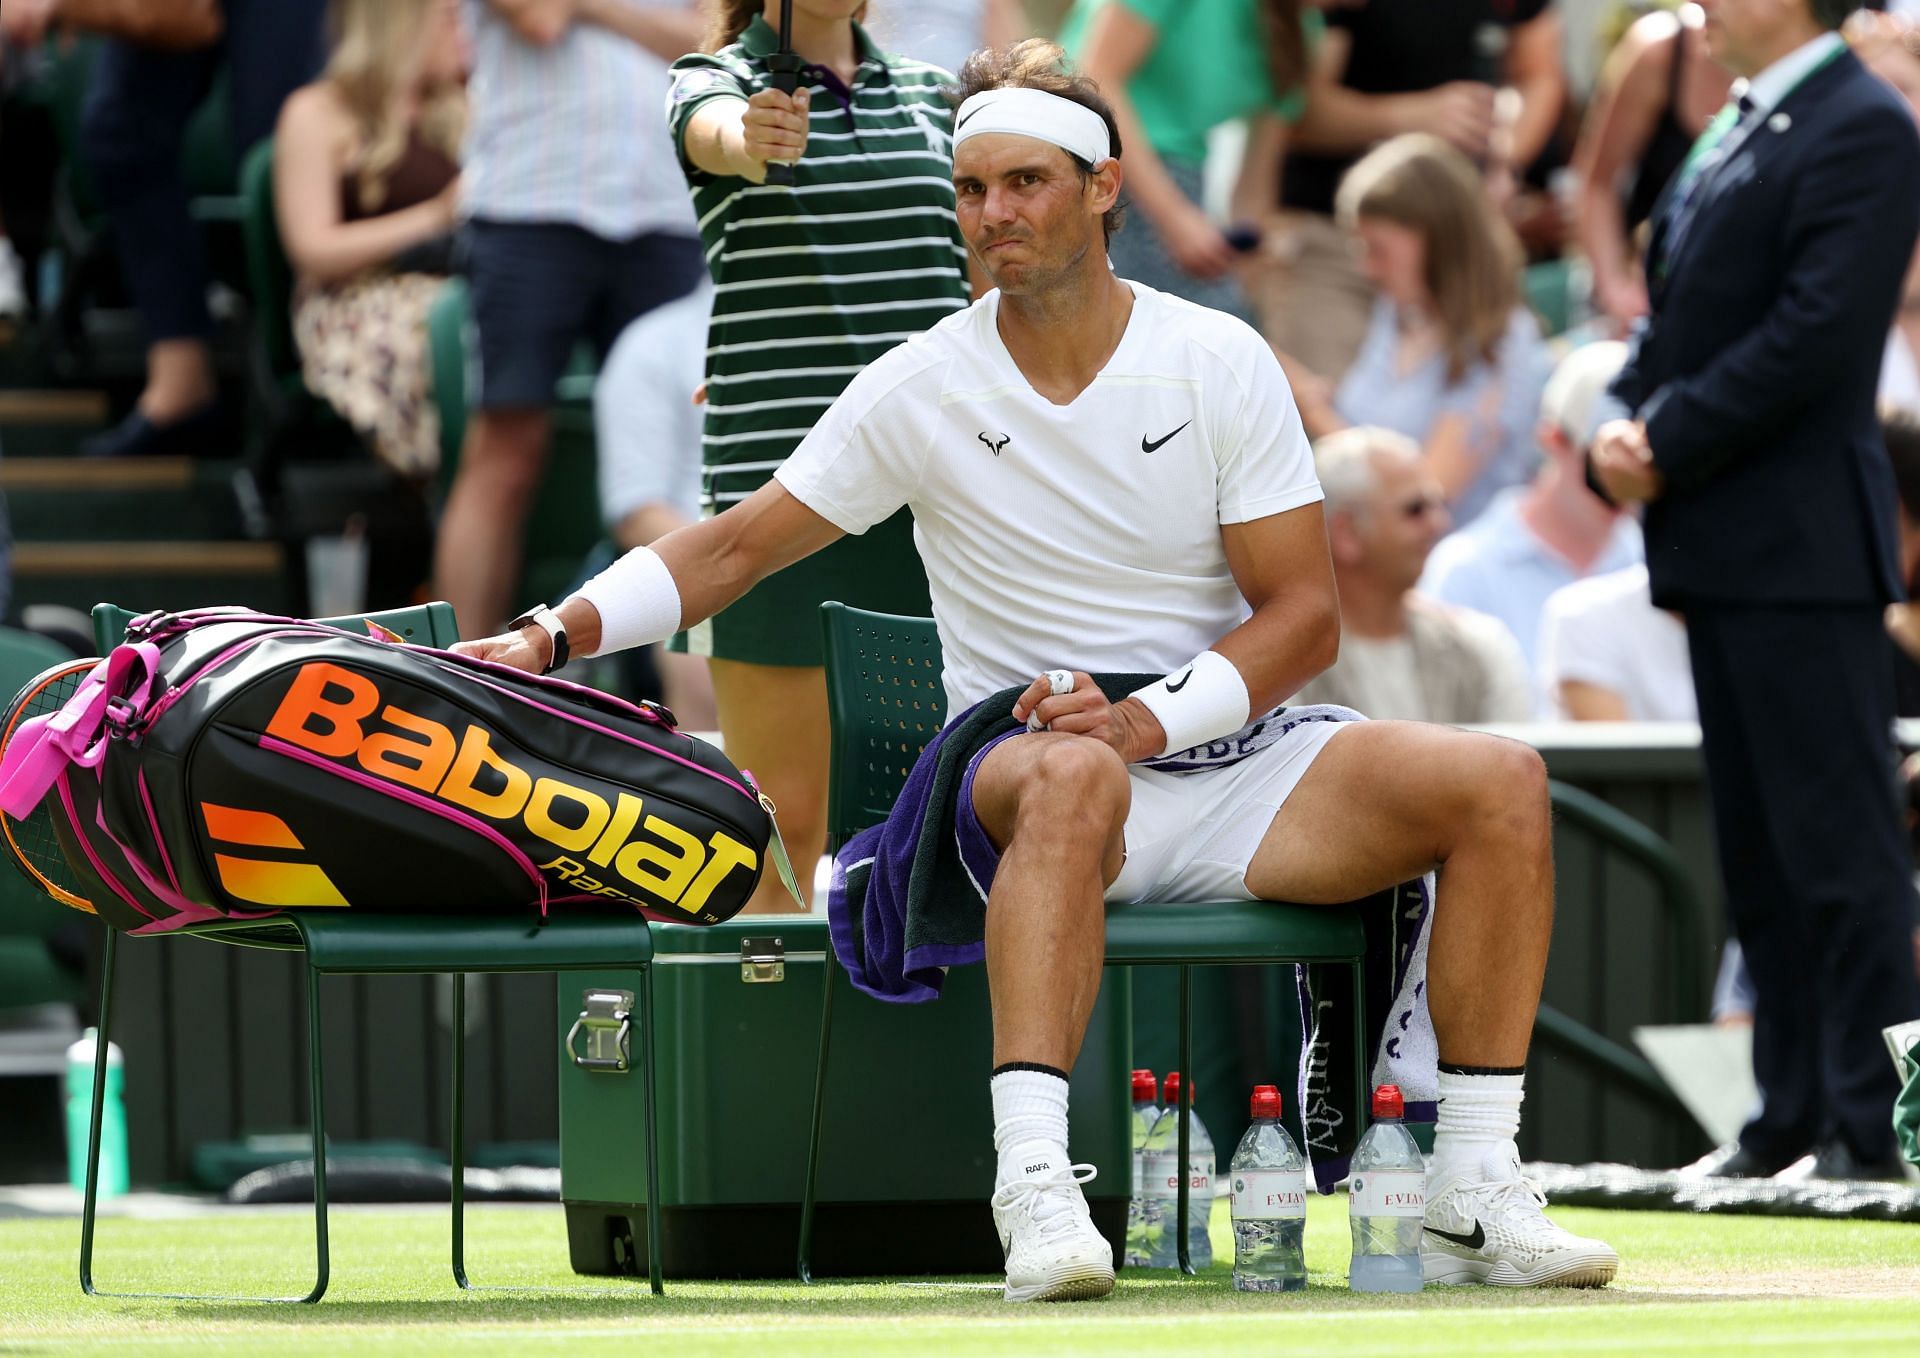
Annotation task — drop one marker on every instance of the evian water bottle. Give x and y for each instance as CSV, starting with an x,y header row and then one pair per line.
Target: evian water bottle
x,y
1269,1179
1386,1201
1162,1186
1141,1209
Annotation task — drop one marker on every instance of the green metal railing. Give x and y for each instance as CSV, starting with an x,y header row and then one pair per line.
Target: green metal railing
x,y
1686,940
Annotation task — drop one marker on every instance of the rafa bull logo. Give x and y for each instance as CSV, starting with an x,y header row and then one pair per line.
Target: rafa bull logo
x,y
603,848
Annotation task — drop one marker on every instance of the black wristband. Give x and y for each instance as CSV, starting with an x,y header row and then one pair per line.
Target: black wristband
x,y
549,622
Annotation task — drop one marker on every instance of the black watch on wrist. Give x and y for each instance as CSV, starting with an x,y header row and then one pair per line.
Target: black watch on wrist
x,y
549,622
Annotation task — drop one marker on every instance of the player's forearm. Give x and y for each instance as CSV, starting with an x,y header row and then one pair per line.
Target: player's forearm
x,y
692,573
1284,645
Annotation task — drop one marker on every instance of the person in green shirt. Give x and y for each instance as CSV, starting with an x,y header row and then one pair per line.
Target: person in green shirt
x,y
1174,70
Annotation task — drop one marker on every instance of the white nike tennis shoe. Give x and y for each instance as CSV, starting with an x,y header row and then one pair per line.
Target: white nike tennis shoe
x,y
1054,1252
1488,1226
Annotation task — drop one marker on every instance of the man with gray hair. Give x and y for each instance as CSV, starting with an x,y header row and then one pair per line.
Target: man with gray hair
x,y
1403,655
1535,539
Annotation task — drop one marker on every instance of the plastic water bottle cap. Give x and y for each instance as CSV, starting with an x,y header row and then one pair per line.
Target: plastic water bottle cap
x,y
82,1051
1388,1102
1266,1101
1173,1090
1145,1088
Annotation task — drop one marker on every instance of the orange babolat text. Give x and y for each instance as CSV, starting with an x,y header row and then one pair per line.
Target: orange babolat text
x,y
327,710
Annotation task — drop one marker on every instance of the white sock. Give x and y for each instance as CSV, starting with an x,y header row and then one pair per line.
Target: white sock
x,y
1479,1114
1029,1123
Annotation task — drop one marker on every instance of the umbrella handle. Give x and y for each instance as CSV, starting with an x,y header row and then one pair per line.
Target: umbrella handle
x,y
784,68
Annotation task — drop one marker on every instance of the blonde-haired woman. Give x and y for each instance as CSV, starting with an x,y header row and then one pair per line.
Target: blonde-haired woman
x,y
366,187
1452,359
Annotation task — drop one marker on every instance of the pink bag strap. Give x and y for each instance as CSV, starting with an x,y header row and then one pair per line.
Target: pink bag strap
x,y
114,694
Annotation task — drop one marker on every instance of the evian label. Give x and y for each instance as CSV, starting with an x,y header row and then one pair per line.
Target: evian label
x,y
1160,1173
1269,1195
1388,1193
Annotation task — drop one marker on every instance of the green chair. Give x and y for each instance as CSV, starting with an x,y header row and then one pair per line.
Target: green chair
x,y
28,974
269,276
1549,290
338,943
886,701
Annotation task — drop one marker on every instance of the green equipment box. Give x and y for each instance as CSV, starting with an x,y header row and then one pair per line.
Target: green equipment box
x,y
907,1160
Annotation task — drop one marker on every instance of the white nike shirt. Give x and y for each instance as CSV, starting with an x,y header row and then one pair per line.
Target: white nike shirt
x,y
1083,536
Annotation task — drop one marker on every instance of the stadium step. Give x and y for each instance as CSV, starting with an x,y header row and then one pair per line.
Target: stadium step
x,y
109,499
150,574
49,423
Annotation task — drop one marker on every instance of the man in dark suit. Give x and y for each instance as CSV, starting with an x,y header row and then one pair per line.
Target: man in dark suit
x,y
1774,269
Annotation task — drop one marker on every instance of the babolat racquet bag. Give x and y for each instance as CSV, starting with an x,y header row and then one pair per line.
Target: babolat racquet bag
x,y
231,765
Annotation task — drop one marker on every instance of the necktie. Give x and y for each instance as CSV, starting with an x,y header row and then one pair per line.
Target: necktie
x,y
1712,147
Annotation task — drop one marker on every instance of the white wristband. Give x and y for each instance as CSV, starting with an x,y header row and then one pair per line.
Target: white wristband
x,y
1205,701
636,599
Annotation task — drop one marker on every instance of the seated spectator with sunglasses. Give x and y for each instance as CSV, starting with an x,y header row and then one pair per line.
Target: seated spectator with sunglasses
x,y
1402,655
1545,535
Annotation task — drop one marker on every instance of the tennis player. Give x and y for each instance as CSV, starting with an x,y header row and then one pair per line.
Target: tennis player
x,y
1106,478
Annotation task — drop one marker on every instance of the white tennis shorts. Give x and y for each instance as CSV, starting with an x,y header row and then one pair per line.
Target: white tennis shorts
x,y
1191,836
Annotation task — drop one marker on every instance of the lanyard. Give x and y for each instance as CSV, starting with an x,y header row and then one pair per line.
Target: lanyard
x,y
1728,118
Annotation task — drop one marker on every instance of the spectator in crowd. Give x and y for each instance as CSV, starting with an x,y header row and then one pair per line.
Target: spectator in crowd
x,y
1534,540
136,113
1775,264
814,281
1900,365
946,32
574,226
1659,90
1900,428
1890,47
1453,359
1174,70
647,434
1390,67
13,282
1402,655
366,185
1607,654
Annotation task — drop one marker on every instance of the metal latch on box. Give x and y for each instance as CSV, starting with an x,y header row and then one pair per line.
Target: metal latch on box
x,y
607,1019
763,960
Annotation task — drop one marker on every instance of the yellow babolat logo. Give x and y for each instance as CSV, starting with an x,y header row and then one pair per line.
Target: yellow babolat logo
x,y
265,881
327,711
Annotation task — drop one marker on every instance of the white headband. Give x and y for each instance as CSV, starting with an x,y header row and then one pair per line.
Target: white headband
x,y
1074,128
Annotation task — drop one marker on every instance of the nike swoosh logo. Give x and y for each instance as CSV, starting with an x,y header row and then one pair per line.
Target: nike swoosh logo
x,y
1472,1242
1147,447
964,121
1175,688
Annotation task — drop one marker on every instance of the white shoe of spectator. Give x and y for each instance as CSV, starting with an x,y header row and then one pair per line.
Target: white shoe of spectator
x,y
13,283
1488,1225
1054,1252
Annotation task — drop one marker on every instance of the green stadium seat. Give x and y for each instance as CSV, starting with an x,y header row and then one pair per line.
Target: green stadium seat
x,y
335,943
885,701
1549,292
28,973
269,275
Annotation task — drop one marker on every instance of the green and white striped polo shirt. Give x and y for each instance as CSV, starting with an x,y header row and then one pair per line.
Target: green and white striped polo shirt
x,y
815,281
